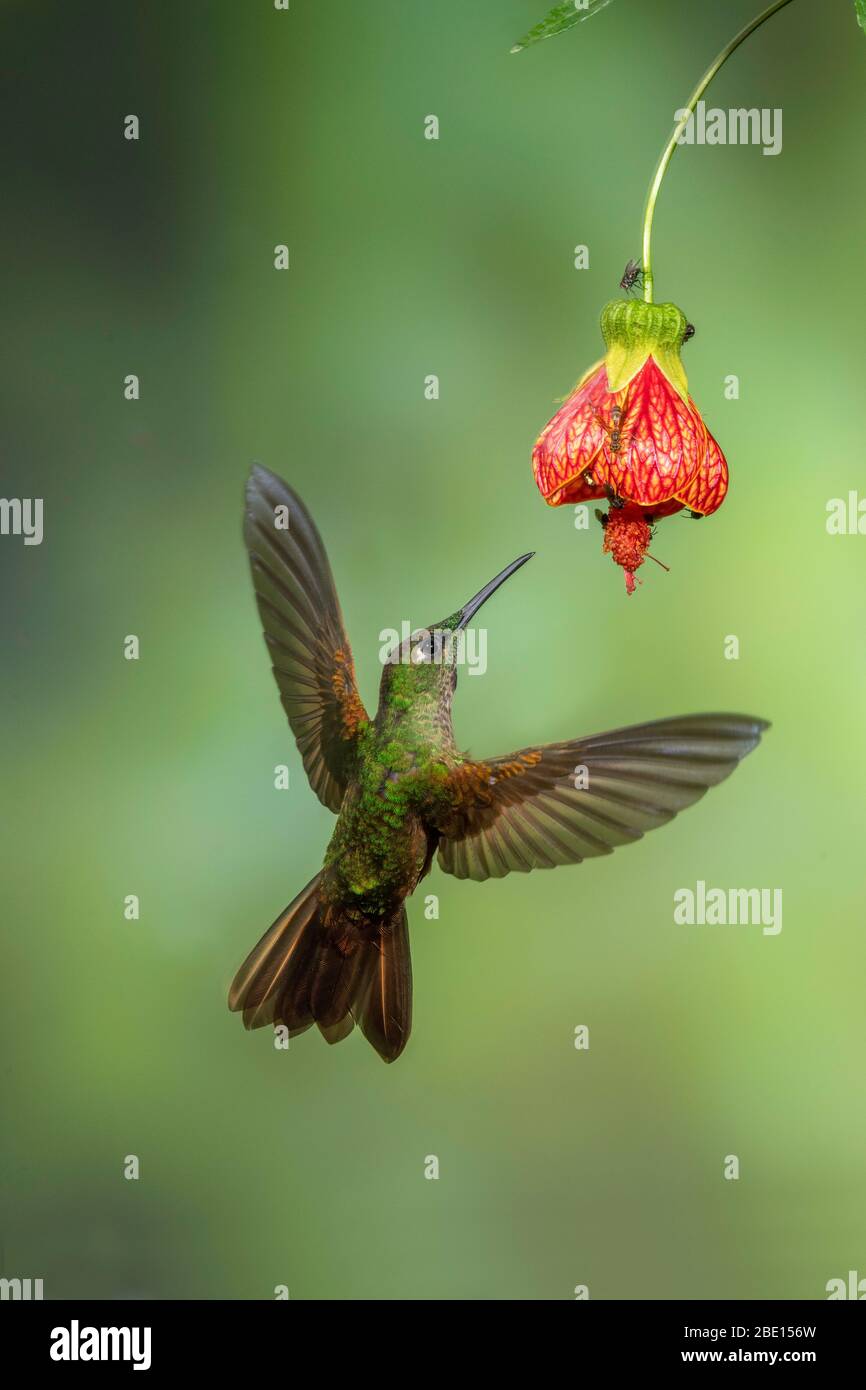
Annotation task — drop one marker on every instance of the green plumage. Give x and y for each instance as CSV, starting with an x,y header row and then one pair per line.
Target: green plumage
x,y
401,790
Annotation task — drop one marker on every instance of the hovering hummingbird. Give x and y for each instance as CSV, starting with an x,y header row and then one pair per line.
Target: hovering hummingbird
x,y
402,791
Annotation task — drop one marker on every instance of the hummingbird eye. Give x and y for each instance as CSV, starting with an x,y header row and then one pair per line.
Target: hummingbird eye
x,y
423,648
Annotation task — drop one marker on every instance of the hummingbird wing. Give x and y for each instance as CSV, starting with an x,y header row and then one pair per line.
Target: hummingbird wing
x,y
303,627
561,803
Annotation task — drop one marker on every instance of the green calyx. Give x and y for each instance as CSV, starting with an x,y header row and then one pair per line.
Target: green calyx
x,y
633,331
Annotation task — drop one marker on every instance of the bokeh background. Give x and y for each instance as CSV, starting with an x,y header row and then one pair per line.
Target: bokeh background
x,y
408,257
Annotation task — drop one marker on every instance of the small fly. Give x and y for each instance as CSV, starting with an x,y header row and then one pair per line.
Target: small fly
x,y
616,440
631,276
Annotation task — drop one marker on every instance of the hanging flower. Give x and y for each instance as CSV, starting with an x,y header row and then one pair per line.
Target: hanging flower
x,y
630,433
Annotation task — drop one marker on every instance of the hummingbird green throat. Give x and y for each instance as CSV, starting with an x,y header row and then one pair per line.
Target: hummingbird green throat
x,y
402,791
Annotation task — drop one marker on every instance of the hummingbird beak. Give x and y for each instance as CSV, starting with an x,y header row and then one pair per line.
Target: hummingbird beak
x,y
468,611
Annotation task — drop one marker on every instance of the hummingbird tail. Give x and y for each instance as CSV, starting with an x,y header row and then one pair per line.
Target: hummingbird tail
x,y
301,972
385,1009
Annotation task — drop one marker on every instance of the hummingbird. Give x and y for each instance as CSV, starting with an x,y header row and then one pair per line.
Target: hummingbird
x,y
402,791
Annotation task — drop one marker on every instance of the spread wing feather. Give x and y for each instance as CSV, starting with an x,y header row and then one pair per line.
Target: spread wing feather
x,y
304,631
562,803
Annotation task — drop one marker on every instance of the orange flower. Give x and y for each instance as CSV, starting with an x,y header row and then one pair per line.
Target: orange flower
x,y
631,433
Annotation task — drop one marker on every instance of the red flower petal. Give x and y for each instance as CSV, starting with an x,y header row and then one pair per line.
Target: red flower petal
x,y
663,440
580,489
706,491
571,441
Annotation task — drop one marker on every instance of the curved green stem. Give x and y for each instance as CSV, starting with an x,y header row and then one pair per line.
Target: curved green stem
x,y
667,152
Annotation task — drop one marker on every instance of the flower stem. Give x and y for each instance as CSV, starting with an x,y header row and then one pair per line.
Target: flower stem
x,y
667,152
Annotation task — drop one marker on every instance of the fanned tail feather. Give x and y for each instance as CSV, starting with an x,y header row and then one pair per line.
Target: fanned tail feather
x,y
386,1007
298,975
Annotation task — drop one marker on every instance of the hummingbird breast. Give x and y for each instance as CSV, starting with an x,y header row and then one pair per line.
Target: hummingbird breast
x,y
379,850
382,843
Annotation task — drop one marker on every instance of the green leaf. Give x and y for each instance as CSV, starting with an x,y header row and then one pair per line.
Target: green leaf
x,y
573,12
860,7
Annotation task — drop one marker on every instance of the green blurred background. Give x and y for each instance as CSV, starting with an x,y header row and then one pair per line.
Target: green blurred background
x,y
306,1168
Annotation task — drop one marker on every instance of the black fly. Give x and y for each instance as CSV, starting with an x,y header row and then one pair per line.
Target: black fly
x,y
631,276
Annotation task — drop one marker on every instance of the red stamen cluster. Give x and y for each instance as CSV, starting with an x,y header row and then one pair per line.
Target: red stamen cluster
x,y
626,540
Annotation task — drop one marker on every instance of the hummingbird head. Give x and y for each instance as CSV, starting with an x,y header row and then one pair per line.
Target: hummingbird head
x,y
428,660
